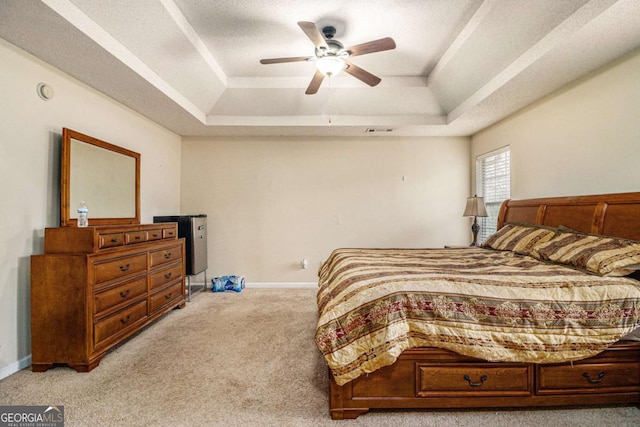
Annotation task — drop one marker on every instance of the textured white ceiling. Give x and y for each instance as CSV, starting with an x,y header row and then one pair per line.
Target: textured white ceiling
x,y
193,65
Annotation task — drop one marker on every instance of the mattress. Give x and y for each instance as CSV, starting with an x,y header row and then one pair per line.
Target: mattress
x,y
494,305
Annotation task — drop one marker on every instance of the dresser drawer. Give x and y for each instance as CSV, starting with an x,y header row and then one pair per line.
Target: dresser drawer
x,y
110,240
164,256
118,322
154,235
165,296
120,267
583,378
169,233
472,379
118,296
132,237
161,278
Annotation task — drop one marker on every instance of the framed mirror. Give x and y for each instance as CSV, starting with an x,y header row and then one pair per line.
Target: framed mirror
x,y
105,176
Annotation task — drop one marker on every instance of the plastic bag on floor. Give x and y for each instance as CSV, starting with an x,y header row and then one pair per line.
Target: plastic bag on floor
x,y
227,283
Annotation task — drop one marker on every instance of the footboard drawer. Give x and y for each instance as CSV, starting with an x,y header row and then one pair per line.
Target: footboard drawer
x,y
584,378
473,379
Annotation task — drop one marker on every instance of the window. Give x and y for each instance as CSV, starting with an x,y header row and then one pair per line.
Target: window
x,y
493,182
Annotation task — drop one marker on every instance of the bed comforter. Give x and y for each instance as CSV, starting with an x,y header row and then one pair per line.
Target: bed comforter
x,y
493,305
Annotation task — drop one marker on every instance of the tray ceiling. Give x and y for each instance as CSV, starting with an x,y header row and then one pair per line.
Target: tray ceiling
x,y
193,65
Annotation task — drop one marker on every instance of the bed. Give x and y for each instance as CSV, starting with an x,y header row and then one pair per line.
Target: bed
x,y
450,328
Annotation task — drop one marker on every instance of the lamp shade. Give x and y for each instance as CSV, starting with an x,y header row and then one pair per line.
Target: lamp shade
x,y
475,207
330,65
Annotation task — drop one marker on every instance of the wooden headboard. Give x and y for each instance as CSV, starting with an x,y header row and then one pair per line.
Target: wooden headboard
x,y
607,214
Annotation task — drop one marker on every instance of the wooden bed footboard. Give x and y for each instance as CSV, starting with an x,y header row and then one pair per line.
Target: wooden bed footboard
x,y
432,378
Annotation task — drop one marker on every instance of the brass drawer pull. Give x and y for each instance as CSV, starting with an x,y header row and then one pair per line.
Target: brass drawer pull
x,y
124,321
155,235
167,276
168,296
125,293
167,255
114,240
594,380
472,384
137,237
125,267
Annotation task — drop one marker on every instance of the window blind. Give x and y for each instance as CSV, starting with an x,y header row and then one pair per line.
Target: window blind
x,y
493,182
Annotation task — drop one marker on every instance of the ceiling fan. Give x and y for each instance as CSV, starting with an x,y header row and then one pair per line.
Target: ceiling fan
x,y
331,57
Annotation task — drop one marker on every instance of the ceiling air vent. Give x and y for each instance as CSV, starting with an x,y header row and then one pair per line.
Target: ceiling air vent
x,y
378,130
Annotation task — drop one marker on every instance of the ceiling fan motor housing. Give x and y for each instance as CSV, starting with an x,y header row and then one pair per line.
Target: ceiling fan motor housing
x,y
335,49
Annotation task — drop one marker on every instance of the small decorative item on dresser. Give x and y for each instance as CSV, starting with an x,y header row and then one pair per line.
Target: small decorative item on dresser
x,y
475,208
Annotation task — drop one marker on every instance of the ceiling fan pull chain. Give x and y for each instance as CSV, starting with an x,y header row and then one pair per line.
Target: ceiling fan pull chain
x,y
329,106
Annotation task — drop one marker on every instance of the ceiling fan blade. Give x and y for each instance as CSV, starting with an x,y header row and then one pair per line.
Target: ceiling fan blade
x,y
281,60
313,33
361,74
315,83
379,45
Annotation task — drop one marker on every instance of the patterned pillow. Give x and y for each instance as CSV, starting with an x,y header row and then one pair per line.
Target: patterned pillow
x,y
606,256
519,238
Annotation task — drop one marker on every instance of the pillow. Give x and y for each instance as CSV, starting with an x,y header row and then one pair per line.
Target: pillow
x,y
519,238
606,256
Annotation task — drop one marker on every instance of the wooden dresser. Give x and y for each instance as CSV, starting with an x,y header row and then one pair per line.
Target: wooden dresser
x,y
96,286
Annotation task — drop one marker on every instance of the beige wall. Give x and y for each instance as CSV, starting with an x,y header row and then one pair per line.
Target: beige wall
x,y
273,201
584,139
30,134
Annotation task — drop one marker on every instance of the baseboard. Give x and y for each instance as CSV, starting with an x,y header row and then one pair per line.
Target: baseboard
x,y
15,367
283,285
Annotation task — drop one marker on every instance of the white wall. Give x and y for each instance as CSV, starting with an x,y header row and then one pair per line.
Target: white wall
x,y
273,201
584,139
30,135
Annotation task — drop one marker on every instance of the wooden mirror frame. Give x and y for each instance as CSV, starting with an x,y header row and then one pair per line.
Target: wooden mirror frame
x,y
65,180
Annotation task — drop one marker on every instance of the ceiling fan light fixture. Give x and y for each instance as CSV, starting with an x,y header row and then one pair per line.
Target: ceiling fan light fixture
x,y
330,65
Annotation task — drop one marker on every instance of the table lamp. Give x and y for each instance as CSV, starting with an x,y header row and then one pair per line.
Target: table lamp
x,y
475,208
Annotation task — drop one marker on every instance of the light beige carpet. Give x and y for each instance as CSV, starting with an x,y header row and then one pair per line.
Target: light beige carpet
x,y
238,359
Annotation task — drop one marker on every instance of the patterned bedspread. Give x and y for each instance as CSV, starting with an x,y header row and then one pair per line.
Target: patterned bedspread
x,y
494,305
